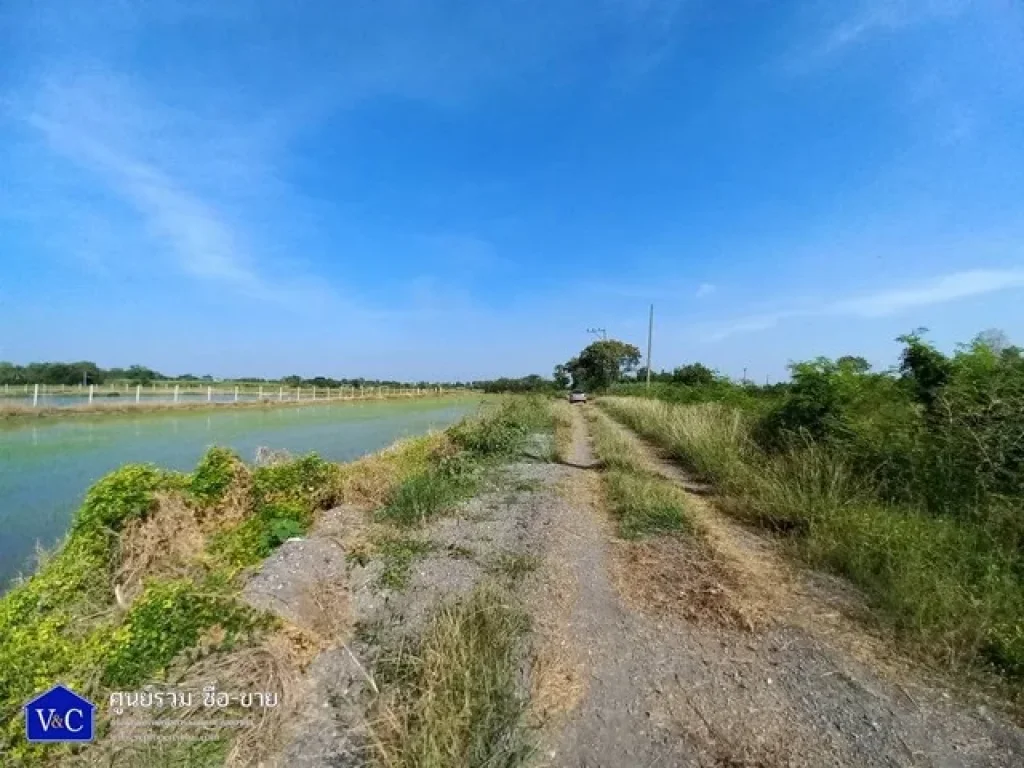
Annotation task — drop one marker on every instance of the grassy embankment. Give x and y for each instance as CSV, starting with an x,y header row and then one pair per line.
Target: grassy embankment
x,y
127,406
952,585
145,590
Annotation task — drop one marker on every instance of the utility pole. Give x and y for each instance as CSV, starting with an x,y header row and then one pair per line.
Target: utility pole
x,y
650,334
744,375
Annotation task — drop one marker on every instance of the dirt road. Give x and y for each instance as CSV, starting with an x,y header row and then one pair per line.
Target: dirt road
x,y
667,653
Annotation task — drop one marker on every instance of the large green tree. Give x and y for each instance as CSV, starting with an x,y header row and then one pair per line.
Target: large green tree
x,y
693,375
602,364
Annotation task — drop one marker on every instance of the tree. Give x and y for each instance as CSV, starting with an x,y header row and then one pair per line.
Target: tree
x,y
693,375
993,338
924,368
603,363
853,364
562,377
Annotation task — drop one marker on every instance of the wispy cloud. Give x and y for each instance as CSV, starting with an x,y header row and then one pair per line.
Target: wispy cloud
x,y
960,285
940,290
872,18
98,125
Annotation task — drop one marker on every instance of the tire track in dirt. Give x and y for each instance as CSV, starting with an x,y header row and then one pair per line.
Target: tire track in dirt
x,y
612,716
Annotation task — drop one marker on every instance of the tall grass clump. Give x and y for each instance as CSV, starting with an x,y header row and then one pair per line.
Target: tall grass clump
x,y
642,501
453,698
470,446
709,439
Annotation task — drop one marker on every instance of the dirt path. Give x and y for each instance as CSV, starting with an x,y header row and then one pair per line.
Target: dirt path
x,y
630,673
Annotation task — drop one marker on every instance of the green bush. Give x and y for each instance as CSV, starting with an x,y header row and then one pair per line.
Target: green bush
x,y
60,625
213,476
120,496
168,618
501,432
256,537
308,481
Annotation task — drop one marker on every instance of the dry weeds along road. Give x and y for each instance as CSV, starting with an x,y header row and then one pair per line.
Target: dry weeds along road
x,y
699,648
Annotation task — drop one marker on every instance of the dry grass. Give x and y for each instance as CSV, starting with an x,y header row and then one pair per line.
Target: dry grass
x,y
453,699
616,448
171,540
683,578
702,577
557,681
368,482
166,543
561,413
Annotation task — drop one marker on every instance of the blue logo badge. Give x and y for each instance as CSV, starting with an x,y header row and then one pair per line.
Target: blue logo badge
x,y
58,715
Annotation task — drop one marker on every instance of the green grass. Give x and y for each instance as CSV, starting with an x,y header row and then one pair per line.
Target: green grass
x,y
615,448
948,586
482,442
453,699
425,496
642,502
397,556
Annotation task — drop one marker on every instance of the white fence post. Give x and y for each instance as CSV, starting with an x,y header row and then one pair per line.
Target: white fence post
x,y
261,392
175,393
236,394
209,394
35,396
91,388
298,394
314,393
280,394
138,393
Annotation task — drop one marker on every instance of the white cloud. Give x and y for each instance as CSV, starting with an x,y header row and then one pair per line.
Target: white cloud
x,y
960,285
940,290
705,289
98,124
876,17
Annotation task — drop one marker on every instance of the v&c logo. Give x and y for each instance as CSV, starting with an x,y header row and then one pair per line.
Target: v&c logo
x,y
59,715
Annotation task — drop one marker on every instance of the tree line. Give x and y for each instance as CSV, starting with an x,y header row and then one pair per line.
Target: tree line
x,y
87,372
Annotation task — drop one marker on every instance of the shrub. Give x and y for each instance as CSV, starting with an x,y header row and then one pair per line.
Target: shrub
x,y
213,476
120,496
308,481
169,617
255,538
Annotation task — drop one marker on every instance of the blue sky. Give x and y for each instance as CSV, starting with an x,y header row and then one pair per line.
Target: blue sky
x,y
459,189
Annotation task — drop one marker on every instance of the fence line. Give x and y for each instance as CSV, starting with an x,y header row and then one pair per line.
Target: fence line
x,y
177,393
